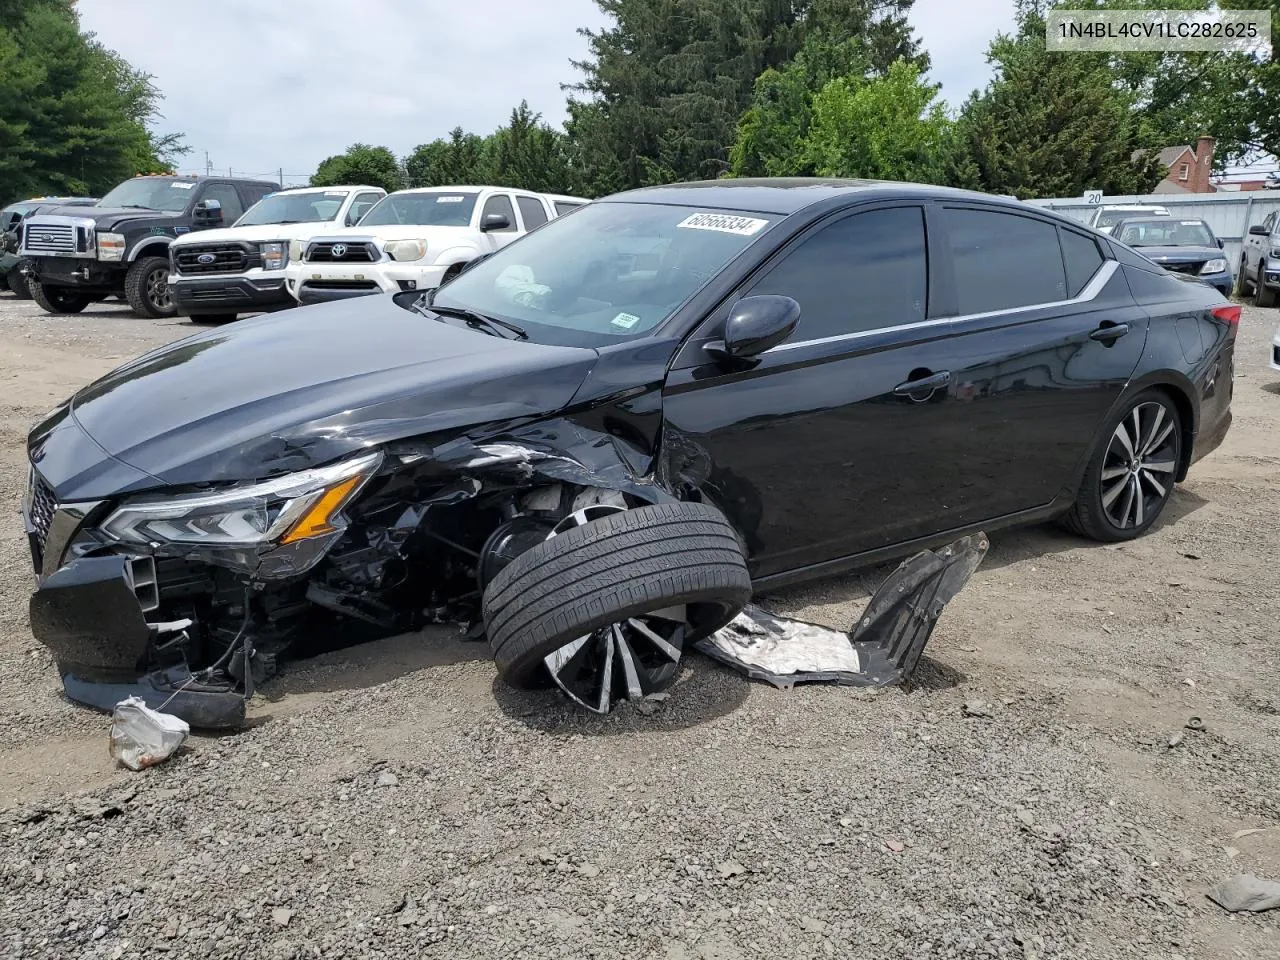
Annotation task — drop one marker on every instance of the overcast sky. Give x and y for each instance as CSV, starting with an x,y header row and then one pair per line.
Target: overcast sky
x,y
263,86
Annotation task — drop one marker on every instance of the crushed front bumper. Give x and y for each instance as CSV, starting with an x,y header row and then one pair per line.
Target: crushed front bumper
x,y
88,614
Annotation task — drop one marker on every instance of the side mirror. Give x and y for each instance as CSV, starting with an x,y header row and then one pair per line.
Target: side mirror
x,y
1221,243
756,324
495,221
1258,230
207,213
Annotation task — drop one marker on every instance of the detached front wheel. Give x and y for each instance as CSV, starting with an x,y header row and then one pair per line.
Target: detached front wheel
x,y
146,287
606,605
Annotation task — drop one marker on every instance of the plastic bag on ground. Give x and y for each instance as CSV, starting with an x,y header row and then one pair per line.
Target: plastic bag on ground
x,y
142,737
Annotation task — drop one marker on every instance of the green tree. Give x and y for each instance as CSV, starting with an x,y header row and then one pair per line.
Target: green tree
x,y
74,116
1051,125
461,159
529,154
360,164
666,83
887,128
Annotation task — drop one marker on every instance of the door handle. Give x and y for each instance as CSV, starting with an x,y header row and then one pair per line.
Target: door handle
x,y
1109,332
923,385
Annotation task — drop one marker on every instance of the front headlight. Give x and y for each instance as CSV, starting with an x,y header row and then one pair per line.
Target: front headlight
x,y
407,249
1218,265
275,255
295,250
110,246
280,511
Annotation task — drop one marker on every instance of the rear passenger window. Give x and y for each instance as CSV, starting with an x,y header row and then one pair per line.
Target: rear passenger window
x,y
865,272
1003,261
531,212
1082,258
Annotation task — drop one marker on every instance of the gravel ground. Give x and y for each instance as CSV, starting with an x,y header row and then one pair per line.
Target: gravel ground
x,y
394,800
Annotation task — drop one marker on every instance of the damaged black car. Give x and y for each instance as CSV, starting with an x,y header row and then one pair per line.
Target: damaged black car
x,y
597,443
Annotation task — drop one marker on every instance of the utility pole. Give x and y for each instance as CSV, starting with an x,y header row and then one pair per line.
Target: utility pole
x,y
208,164
280,172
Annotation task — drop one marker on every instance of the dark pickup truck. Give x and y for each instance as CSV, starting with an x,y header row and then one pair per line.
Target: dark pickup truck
x,y
76,256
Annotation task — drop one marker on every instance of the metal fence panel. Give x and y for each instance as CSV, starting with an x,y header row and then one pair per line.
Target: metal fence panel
x,y
1229,215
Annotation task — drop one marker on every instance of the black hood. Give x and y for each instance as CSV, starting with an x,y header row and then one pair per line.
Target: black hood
x,y
107,218
1163,255
288,391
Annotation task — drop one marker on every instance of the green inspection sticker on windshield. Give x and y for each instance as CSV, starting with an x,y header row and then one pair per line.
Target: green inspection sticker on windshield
x,y
625,320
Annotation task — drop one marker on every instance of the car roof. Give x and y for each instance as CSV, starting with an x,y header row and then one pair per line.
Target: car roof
x,y
459,188
566,197
785,195
336,186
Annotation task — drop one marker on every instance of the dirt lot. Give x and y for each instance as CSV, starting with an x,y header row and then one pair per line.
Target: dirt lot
x,y
394,800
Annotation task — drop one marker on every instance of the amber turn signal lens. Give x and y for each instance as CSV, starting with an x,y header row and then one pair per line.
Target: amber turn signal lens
x,y
315,522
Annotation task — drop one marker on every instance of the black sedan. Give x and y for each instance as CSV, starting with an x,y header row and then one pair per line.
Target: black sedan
x,y
1181,246
600,440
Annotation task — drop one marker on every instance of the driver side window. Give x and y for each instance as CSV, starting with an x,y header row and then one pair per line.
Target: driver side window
x,y
500,203
226,195
863,272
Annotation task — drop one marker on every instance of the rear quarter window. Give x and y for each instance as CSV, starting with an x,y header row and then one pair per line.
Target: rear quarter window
x,y
1082,258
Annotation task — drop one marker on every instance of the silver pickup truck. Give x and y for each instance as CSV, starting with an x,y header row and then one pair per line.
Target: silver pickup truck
x,y
1260,262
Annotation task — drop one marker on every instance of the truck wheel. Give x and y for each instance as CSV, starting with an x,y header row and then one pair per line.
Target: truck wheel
x,y
1242,278
57,299
606,605
18,284
146,286
1263,296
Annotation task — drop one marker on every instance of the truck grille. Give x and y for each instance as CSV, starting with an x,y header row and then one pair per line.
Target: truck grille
x,y
333,251
212,258
51,238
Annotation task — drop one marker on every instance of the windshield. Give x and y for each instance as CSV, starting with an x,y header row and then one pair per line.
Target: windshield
x,y
1167,232
1109,218
313,206
610,272
150,193
452,209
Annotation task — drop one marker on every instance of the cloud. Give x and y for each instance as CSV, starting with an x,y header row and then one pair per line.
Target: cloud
x,y
282,85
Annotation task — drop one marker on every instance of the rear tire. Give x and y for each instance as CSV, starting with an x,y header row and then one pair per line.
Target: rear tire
x,y
610,573
146,287
59,300
18,284
1130,478
1263,296
213,317
1242,279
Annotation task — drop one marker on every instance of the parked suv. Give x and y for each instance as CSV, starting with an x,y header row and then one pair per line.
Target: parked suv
x,y
415,240
1260,262
11,217
1180,246
217,274
121,246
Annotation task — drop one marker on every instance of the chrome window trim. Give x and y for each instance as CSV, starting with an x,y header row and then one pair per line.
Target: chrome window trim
x,y
1090,292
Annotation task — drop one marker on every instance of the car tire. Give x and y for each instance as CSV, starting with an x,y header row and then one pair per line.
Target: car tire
x,y
57,299
1263,296
213,317
672,563
18,284
1105,505
146,287
1242,279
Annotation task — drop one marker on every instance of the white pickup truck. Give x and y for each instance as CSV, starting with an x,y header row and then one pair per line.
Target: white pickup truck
x,y
216,274
416,240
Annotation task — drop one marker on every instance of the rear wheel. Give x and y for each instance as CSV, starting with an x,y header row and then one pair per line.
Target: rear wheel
x,y
1263,296
1242,278
1131,476
606,605
146,286
213,317
18,284
57,299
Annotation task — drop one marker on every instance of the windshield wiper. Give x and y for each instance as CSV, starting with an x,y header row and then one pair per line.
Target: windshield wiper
x,y
475,320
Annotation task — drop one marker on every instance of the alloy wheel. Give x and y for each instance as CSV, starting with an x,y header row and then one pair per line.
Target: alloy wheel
x,y
158,289
621,661
1138,470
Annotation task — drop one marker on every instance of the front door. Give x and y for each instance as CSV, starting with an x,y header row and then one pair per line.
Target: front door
x,y
499,203
886,417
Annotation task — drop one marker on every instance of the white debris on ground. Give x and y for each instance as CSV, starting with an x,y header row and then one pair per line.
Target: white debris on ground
x,y
142,737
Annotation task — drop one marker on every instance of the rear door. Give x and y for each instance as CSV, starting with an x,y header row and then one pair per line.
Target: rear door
x,y
910,400
533,213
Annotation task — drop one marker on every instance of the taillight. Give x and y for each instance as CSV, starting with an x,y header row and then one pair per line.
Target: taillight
x,y
1230,315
